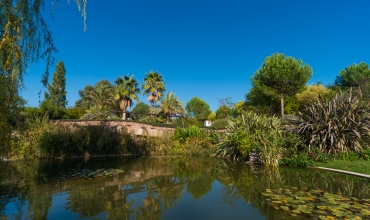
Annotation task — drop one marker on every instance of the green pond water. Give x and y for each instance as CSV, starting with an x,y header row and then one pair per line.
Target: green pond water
x,y
166,187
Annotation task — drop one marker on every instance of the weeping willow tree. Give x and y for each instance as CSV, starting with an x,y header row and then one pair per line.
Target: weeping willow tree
x,y
25,38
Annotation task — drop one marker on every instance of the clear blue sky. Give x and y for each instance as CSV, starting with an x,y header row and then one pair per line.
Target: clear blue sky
x,y
207,48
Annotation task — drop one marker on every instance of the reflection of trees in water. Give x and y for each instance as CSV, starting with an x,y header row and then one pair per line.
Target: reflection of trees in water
x,y
163,180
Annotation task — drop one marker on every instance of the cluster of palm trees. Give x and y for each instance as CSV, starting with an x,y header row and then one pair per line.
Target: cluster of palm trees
x,y
122,96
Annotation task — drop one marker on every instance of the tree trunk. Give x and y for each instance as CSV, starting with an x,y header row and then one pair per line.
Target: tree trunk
x,y
282,105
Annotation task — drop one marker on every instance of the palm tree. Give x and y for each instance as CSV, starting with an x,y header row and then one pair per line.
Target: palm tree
x,y
126,91
170,105
100,96
153,87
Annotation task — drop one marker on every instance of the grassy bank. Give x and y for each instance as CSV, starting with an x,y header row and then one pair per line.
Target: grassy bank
x,y
358,166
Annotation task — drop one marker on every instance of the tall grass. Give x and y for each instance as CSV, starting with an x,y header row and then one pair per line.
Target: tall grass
x,y
41,138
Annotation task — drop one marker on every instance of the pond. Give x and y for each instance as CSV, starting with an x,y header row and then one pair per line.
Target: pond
x,y
164,187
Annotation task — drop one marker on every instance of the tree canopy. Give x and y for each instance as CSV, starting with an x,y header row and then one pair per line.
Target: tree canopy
x,y
55,100
25,36
153,87
197,108
126,92
281,76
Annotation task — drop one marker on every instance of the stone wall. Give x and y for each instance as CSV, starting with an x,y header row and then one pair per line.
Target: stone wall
x,y
118,126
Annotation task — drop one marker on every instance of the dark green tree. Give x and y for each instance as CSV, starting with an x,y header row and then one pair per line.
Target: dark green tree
x,y
281,76
55,100
197,108
140,110
356,76
223,112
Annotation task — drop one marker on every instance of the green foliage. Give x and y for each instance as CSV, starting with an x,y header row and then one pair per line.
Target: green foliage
x,y
223,112
311,94
41,138
100,95
257,101
338,125
297,160
239,108
171,105
154,87
236,142
353,76
181,134
357,77
141,110
220,123
126,92
281,76
193,141
74,113
55,100
256,132
32,112
197,108
10,104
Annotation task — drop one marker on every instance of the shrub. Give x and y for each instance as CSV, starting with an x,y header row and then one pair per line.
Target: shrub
x,y
193,140
252,131
220,123
338,125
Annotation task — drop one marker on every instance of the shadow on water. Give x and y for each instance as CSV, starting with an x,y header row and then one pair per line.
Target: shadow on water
x,y
159,187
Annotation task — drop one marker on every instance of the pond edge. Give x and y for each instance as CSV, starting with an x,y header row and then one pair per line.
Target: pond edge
x,y
343,171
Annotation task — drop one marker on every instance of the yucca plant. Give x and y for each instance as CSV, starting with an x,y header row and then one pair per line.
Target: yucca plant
x,y
341,124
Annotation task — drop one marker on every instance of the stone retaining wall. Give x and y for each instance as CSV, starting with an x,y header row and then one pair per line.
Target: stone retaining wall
x,y
118,126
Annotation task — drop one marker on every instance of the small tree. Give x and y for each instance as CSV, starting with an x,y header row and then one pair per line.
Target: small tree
x,y
55,100
281,76
197,108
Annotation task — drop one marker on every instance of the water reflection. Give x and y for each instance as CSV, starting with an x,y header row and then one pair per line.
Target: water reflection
x,y
157,188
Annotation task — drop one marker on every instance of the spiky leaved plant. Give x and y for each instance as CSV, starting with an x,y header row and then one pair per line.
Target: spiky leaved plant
x,y
253,131
341,124
236,142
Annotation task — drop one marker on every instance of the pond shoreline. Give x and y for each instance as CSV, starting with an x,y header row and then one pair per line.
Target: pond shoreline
x,y
343,171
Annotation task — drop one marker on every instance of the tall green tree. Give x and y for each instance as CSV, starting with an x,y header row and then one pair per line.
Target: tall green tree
x,y
126,91
197,108
170,105
281,76
55,100
154,87
356,76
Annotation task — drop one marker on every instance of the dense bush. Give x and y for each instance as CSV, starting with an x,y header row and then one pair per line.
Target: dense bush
x,y
260,133
194,141
335,126
220,123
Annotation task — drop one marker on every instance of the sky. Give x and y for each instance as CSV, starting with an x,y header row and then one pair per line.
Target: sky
x,y
207,48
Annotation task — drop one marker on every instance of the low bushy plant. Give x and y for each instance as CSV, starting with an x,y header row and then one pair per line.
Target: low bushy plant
x,y
220,123
193,141
260,133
